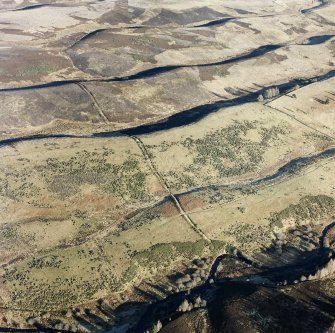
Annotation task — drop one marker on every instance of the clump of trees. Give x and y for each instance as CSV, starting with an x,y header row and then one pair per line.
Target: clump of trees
x,y
271,92
268,94
323,272
187,306
155,328
307,233
189,281
198,274
260,98
279,241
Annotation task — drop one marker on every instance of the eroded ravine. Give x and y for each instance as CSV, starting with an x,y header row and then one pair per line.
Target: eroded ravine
x,y
289,169
152,72
156,71
167,309
323,3
181,118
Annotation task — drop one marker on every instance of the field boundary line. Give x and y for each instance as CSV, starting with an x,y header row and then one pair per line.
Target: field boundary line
x,y
93,99
183,213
